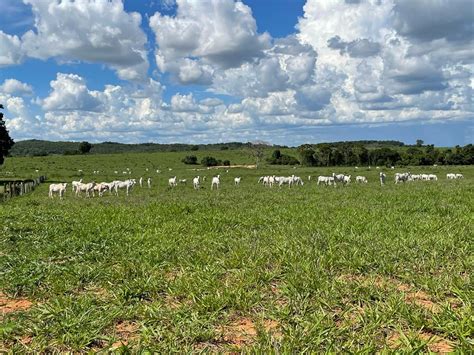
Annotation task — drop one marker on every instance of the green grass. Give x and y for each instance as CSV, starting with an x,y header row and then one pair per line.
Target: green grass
x,y
334,269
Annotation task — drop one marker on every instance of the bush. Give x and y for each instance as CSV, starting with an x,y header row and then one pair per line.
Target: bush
x,y
195,147
226,162
281,159
210,161
190,159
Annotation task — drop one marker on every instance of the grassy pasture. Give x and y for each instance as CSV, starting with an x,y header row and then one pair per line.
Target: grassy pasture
x,y
362,268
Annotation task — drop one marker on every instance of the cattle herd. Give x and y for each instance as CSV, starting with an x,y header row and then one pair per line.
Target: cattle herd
x,y
79,187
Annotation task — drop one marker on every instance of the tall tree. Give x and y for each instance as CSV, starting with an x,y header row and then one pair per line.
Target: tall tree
x,y
85,147
6,143
257,151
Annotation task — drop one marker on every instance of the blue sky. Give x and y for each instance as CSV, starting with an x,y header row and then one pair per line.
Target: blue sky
x,y
283,71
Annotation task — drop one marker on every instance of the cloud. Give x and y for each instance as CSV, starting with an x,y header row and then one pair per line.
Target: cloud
x,y
359,48
10,50
427,20
97,31
13,86
71,94
349,63
206,34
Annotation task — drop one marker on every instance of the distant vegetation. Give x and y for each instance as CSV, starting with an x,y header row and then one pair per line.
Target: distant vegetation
x,y
350,153
282,159
356,153
36,147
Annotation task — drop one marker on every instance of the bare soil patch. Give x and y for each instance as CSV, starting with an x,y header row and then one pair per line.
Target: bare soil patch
x,y
243,331
8,305
411,295
126,332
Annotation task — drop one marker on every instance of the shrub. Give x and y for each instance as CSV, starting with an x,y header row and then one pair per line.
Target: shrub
x,y
209,161
190,159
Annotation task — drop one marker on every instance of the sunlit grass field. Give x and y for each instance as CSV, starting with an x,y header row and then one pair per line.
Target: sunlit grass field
x,y
361,268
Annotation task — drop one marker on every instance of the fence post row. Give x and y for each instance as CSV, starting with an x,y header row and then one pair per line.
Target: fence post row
x,y
13,188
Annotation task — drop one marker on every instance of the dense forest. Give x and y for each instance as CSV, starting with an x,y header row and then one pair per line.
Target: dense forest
x,y
350,153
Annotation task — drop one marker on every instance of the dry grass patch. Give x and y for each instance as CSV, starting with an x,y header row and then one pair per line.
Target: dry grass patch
x,y
433,342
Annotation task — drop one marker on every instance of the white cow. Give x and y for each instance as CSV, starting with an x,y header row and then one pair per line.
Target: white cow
x,y
87,188
432,177
216,180
297,181
382,177
361,179
183,181
450,176
101,188
60,189
196,182
141,182
326,180
402,177
74,185
237,180
346,180
286,180
172,182
459,176
149,183
127,185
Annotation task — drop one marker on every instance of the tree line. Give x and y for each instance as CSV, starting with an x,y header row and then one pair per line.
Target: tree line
x,y
328,154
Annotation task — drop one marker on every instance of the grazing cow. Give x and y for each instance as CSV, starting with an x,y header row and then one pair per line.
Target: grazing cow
x,y
432,177
338,177
327,180
382,177
172,182
297,180
149,183
450,176
60,189
402,177
459,176
346,180
101,188
183,181
87,188
216,180
286,180
237,180
361,179
196,183
127,185
260,179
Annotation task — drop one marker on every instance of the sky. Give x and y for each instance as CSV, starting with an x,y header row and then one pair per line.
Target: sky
x,y
205,71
